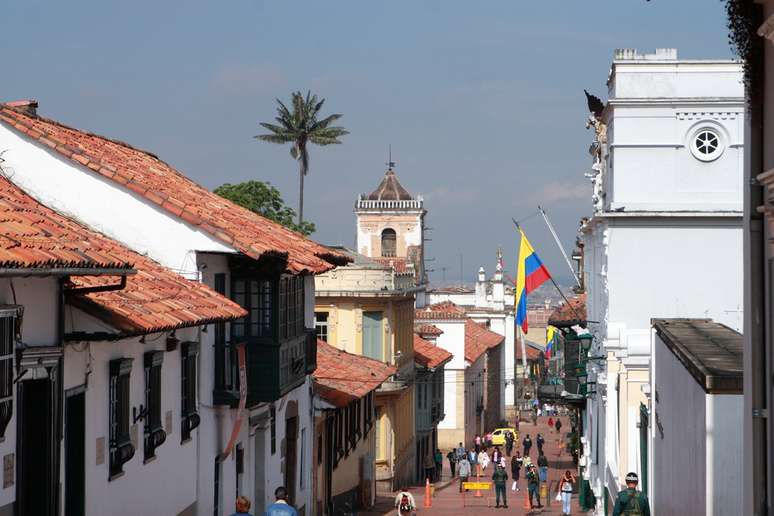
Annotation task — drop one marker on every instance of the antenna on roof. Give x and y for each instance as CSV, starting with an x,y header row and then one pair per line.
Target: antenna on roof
x,y
390,163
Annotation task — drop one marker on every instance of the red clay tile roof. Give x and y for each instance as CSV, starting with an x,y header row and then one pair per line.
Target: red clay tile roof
x,y
399,264
428,354
342,377
390,189
570,315
158,182
35,237
478,340
428,329
154,299
444,310
532,352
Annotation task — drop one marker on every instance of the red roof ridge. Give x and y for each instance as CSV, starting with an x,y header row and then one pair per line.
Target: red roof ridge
x,y
428,354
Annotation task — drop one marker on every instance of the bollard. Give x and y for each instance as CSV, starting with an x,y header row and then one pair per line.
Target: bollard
x,y
544,492
428,494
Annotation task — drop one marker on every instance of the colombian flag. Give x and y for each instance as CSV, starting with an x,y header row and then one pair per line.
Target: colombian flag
x,y
550,338
530,275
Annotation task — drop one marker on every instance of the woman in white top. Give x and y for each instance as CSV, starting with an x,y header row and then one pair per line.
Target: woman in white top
x,y
565,487
483,459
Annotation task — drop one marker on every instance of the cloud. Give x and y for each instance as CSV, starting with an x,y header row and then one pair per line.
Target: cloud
x,y
245,79
555,191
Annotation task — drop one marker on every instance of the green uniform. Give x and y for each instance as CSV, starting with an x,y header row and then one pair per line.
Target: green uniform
x,y
631,502
499,477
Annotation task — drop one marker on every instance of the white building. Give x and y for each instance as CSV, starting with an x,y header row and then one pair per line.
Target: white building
x,y
137,199
696,403
665,237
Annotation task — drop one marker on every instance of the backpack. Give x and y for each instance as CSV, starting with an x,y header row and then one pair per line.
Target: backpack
x,y
405,505
636,510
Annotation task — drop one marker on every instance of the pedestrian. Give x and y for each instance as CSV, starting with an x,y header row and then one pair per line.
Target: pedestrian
x,y
540,442
477,442
488,440
542,463
558,426
464,469
516,462
565,488
527,444
497,455
429,467
533,486
551,423
483,460
461,452
404,502
242,507
438,465
631,501
280,507
508,442
500,477
452,456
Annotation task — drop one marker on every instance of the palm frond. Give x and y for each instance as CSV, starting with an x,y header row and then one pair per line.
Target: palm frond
x,y
331,132
274,138
324,123
273,128
324,140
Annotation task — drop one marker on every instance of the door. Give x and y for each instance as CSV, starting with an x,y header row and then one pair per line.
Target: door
x,y
372,335
291,439
644,448
37,465
75,467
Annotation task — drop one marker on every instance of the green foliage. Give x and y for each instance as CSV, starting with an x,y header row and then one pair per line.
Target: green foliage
x,y
264,199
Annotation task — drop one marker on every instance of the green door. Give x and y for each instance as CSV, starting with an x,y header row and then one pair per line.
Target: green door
x,y
644,448
372,335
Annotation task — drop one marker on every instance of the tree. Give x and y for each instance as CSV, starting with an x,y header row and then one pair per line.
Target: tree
x,y
300,127
264,199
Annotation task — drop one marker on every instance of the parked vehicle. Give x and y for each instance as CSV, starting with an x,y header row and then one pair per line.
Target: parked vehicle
x,y
498,436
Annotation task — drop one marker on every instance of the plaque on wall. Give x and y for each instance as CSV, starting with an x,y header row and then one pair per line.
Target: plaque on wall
x,y
133,433
100,451
168,422
8,470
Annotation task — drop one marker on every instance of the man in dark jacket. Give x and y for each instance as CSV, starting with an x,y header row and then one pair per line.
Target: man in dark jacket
x,y
540,442
499,477
534,487
508,442
527,443
631,502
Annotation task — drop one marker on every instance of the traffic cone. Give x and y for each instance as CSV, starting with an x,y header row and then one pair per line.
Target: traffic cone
x,y
478,479
428,496
526,500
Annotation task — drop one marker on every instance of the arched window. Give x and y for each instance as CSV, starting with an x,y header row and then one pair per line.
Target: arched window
x,y
388,242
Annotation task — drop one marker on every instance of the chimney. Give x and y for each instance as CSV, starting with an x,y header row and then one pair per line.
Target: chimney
x,y
28,107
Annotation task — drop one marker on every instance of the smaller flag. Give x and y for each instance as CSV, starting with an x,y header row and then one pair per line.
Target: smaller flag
x,y
551,334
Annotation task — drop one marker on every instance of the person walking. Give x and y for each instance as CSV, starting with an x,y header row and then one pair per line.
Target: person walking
x,y
477,443
497,455
464,469
527,444
404,502
516,462
558,426
565,488
242,507
452,456
280,507
429,467
533,485
438,465
475,468
508,442
630,501
483,460
500,477
461,452
542,463
540,442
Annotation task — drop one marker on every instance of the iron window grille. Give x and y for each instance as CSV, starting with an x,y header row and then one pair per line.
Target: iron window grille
x,y
121,447
188,409
154,433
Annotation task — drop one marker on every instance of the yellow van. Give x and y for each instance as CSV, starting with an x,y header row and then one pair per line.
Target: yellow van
x,y
498,436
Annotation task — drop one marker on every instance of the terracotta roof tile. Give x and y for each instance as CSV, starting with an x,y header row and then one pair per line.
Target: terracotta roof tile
x,y
478,340
428,354
440,311
569,315
390,189
151,178
154,299
428,329
342,377
399,264
533,353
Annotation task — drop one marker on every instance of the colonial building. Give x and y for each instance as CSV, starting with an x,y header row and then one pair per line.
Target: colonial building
x,y
345,440
249,440
667,175
367,308
473,377
100,352
390,226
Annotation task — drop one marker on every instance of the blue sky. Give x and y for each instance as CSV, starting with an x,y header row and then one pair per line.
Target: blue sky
x,y
482,101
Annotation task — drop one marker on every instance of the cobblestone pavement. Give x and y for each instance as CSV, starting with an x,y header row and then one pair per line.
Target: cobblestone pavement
x,y
449,502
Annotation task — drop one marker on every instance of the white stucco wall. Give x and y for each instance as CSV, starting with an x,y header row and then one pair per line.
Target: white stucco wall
x,y
724,455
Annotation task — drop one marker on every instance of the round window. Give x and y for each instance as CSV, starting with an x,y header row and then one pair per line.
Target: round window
x,y
706,144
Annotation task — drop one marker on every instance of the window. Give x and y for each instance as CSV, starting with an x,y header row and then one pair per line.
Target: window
x,y
373,344
188,410
121,448
706,144
321,325
291,307
319,449
7,346
226,367
388,242
273,429
254,295
302,474
154,434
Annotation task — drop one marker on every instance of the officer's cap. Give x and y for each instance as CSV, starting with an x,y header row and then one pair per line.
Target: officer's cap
x,y
632,477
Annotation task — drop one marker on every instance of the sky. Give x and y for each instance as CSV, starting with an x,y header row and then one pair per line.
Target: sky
x,y
482,102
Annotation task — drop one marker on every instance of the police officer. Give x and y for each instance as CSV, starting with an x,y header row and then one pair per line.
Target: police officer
x,y
631,502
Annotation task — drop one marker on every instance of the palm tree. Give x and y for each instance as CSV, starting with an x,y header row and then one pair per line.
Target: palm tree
x,y
299,128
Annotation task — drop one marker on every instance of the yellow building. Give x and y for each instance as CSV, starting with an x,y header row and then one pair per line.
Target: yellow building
x,y
367,308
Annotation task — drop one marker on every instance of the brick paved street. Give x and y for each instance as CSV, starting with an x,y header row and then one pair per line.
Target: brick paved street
x,y
448,501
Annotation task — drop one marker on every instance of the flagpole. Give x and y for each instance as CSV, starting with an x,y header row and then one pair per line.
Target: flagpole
x,y
555,284
559,244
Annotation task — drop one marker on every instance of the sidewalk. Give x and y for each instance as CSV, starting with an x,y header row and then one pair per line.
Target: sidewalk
x,y
448,501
